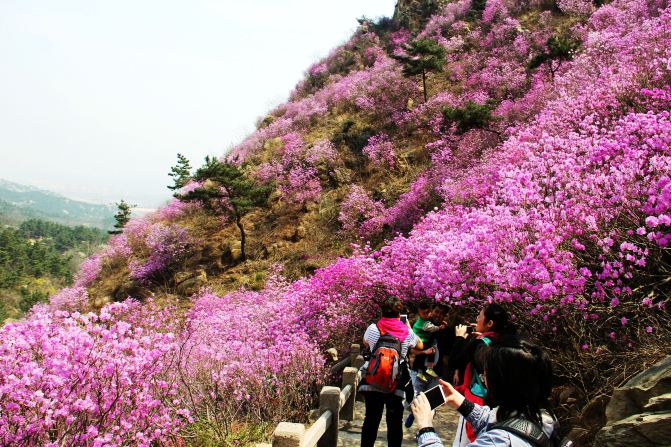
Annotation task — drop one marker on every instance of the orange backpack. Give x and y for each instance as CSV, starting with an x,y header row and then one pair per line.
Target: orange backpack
x,y
384,369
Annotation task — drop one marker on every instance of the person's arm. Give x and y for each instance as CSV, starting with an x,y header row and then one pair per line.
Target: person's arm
x,y
419,349
367,335
430,327
419,345
429,439
478,416
426,436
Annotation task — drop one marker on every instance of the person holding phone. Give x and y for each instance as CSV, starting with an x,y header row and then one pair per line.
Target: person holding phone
x,y
520,397
467,359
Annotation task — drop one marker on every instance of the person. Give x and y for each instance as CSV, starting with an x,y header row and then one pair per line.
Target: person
x,y
428,325
444,338
467,359
375,399
520,397
426,330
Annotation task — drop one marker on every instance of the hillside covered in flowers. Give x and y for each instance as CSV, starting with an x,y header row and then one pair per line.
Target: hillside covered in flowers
x,y
535,173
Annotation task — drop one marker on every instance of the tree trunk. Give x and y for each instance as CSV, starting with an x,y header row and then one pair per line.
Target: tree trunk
x,y
243,256
424,85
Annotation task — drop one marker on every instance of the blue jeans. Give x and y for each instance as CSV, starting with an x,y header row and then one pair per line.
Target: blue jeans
x,y
420,386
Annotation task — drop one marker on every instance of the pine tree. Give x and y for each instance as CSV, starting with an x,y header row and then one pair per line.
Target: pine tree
x,y
180,173
470,116
422,56
226,189
559,49
122,216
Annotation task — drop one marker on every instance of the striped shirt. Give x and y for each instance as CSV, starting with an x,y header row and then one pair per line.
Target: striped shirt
x,y
371,336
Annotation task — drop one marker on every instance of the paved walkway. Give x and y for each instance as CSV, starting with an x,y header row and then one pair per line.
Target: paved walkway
x,y
445,423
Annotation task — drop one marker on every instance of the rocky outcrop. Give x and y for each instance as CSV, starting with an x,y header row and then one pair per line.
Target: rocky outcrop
x,y
188,283
639,413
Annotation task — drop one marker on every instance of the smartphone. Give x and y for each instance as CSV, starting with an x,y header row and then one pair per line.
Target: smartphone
x,y
404,318
470,329
436,396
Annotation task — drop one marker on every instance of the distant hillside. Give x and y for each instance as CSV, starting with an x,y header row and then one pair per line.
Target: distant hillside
x,y
38,258
20,202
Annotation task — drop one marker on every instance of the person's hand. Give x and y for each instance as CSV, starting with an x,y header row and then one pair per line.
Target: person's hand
x,y
421,409
461,330
455,378
452,397
430,351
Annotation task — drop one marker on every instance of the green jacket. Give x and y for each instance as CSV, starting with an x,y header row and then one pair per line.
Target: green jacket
x,y
419,328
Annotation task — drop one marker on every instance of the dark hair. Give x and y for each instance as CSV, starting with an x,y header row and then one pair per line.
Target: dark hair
x,y
443,308
519,378
425,305
496,313
391,307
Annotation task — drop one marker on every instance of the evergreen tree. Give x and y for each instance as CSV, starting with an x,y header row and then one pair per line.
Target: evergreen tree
x,y
559,49
122,216
422,56
180,173
470,116
227,189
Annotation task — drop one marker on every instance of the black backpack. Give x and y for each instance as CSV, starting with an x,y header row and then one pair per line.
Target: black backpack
x,y
531,432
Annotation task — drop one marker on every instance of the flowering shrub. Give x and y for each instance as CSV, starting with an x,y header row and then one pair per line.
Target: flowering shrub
x,y
358,208
73,379
166,244
295,173
247,356
88,271
580,7
74,299
380,151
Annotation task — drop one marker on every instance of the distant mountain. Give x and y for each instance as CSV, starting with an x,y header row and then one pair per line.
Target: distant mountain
x,y
20,202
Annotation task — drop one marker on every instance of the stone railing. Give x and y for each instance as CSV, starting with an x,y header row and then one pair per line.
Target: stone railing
x,y
334,404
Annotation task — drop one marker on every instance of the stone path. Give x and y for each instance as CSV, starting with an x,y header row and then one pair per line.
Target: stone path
x,y
445,423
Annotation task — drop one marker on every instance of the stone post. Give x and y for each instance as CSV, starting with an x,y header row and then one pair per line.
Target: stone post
x,y
329,399
349,378
354,352
288,434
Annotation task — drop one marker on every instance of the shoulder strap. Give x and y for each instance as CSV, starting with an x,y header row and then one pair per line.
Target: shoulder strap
x,y
525,429
486,340
377,343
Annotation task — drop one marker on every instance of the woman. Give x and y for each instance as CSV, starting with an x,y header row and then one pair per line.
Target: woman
x,y
467,359
521,398
376,400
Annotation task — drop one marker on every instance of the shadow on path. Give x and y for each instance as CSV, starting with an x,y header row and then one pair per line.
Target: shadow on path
x,y
445,423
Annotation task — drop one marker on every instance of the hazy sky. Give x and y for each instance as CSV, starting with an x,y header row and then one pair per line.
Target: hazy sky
x,y
98,96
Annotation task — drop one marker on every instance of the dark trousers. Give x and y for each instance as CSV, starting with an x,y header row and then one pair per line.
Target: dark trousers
x,y
375,403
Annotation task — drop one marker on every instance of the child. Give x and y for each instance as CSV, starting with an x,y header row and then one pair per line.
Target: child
x,y
425,330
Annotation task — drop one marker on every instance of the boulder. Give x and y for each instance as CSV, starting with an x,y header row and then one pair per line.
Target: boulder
x,y
639,413
192,284
648,429
637,392
593,416
130,289
180,277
